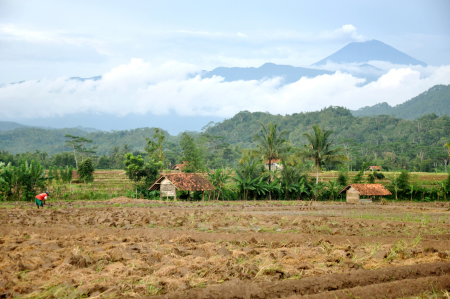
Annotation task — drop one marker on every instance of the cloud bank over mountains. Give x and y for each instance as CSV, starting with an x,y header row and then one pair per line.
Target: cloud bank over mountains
x,y
139,87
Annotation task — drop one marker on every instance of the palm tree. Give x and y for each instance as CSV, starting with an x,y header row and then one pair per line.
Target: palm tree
x,y
320,149
271,144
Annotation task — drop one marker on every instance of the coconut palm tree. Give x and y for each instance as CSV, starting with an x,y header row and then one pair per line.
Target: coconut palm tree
x,y
320,149
271,144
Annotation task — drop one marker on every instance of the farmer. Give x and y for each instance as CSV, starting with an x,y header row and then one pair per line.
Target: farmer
x,y
41,198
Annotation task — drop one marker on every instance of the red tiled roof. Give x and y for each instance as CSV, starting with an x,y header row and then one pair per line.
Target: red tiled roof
x,y
180,166
369,189
184,181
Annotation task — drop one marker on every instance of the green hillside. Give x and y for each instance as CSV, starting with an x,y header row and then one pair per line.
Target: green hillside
x,y
434,100
52,140
370,130
391,142
9,125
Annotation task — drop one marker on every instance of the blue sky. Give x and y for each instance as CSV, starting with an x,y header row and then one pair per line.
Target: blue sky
x,y
165,40
85,38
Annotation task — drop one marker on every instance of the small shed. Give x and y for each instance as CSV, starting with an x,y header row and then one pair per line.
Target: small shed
x,y
377,168
354,191
169,183
275,164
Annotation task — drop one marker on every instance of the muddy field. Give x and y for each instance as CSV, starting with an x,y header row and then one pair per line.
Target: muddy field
x,y
125,248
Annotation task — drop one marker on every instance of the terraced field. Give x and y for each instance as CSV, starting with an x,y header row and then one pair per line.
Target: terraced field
x,y
124,248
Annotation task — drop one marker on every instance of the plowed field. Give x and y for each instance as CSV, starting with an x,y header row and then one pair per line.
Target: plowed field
x,y
126,248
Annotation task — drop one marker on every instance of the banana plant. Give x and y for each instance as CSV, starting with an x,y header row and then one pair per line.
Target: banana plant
x,y
303,187
412,189
218,179
442,188
333,188
316,191
247,176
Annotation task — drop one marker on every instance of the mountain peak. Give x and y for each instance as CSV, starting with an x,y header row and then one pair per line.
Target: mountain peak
x,y
363,52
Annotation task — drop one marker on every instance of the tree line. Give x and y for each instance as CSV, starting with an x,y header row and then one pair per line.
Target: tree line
x,y
390,142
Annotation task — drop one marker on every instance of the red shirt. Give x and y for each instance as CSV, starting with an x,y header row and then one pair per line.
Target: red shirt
x,y
42,196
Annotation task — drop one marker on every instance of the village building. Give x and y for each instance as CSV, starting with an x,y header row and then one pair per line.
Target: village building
x,y
275,164
178,167
169,183
372,168
355,191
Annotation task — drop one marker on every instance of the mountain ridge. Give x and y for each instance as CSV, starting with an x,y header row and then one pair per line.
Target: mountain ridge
x,y
373,50
434,100
268,70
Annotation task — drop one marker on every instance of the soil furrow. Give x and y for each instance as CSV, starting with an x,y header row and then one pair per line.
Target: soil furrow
x,y
167,234
395,289
314,285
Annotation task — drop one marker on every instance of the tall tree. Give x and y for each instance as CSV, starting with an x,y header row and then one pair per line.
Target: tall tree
x,y
154,147
134,168
191,154
320,149
271,144
78,145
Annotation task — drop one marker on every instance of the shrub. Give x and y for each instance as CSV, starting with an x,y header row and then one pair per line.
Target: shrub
x,y
86,171
342,177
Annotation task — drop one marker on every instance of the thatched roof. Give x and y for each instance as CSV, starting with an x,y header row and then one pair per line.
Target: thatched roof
x,y
184,181
378,168
368,189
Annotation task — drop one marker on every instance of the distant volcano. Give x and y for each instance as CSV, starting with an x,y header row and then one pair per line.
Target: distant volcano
x,y
367,51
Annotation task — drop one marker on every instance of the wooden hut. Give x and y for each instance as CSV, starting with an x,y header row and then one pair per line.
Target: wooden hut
x,y
169,183
377,168
274,164
355,191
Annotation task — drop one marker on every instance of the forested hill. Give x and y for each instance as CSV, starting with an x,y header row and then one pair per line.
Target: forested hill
x,y
10,125
373,130
391,142
434,100
52,140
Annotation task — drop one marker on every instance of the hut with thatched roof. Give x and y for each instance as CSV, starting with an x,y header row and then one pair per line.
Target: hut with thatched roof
x,y
355,191
169,183
373,168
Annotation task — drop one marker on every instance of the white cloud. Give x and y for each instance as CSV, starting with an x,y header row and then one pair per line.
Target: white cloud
x,y
12,32
347,33
139,87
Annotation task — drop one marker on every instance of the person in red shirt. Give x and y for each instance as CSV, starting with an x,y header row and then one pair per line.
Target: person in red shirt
x,y
41,198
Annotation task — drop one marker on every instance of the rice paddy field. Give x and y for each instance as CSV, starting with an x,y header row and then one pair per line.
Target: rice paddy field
x,y
119,247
